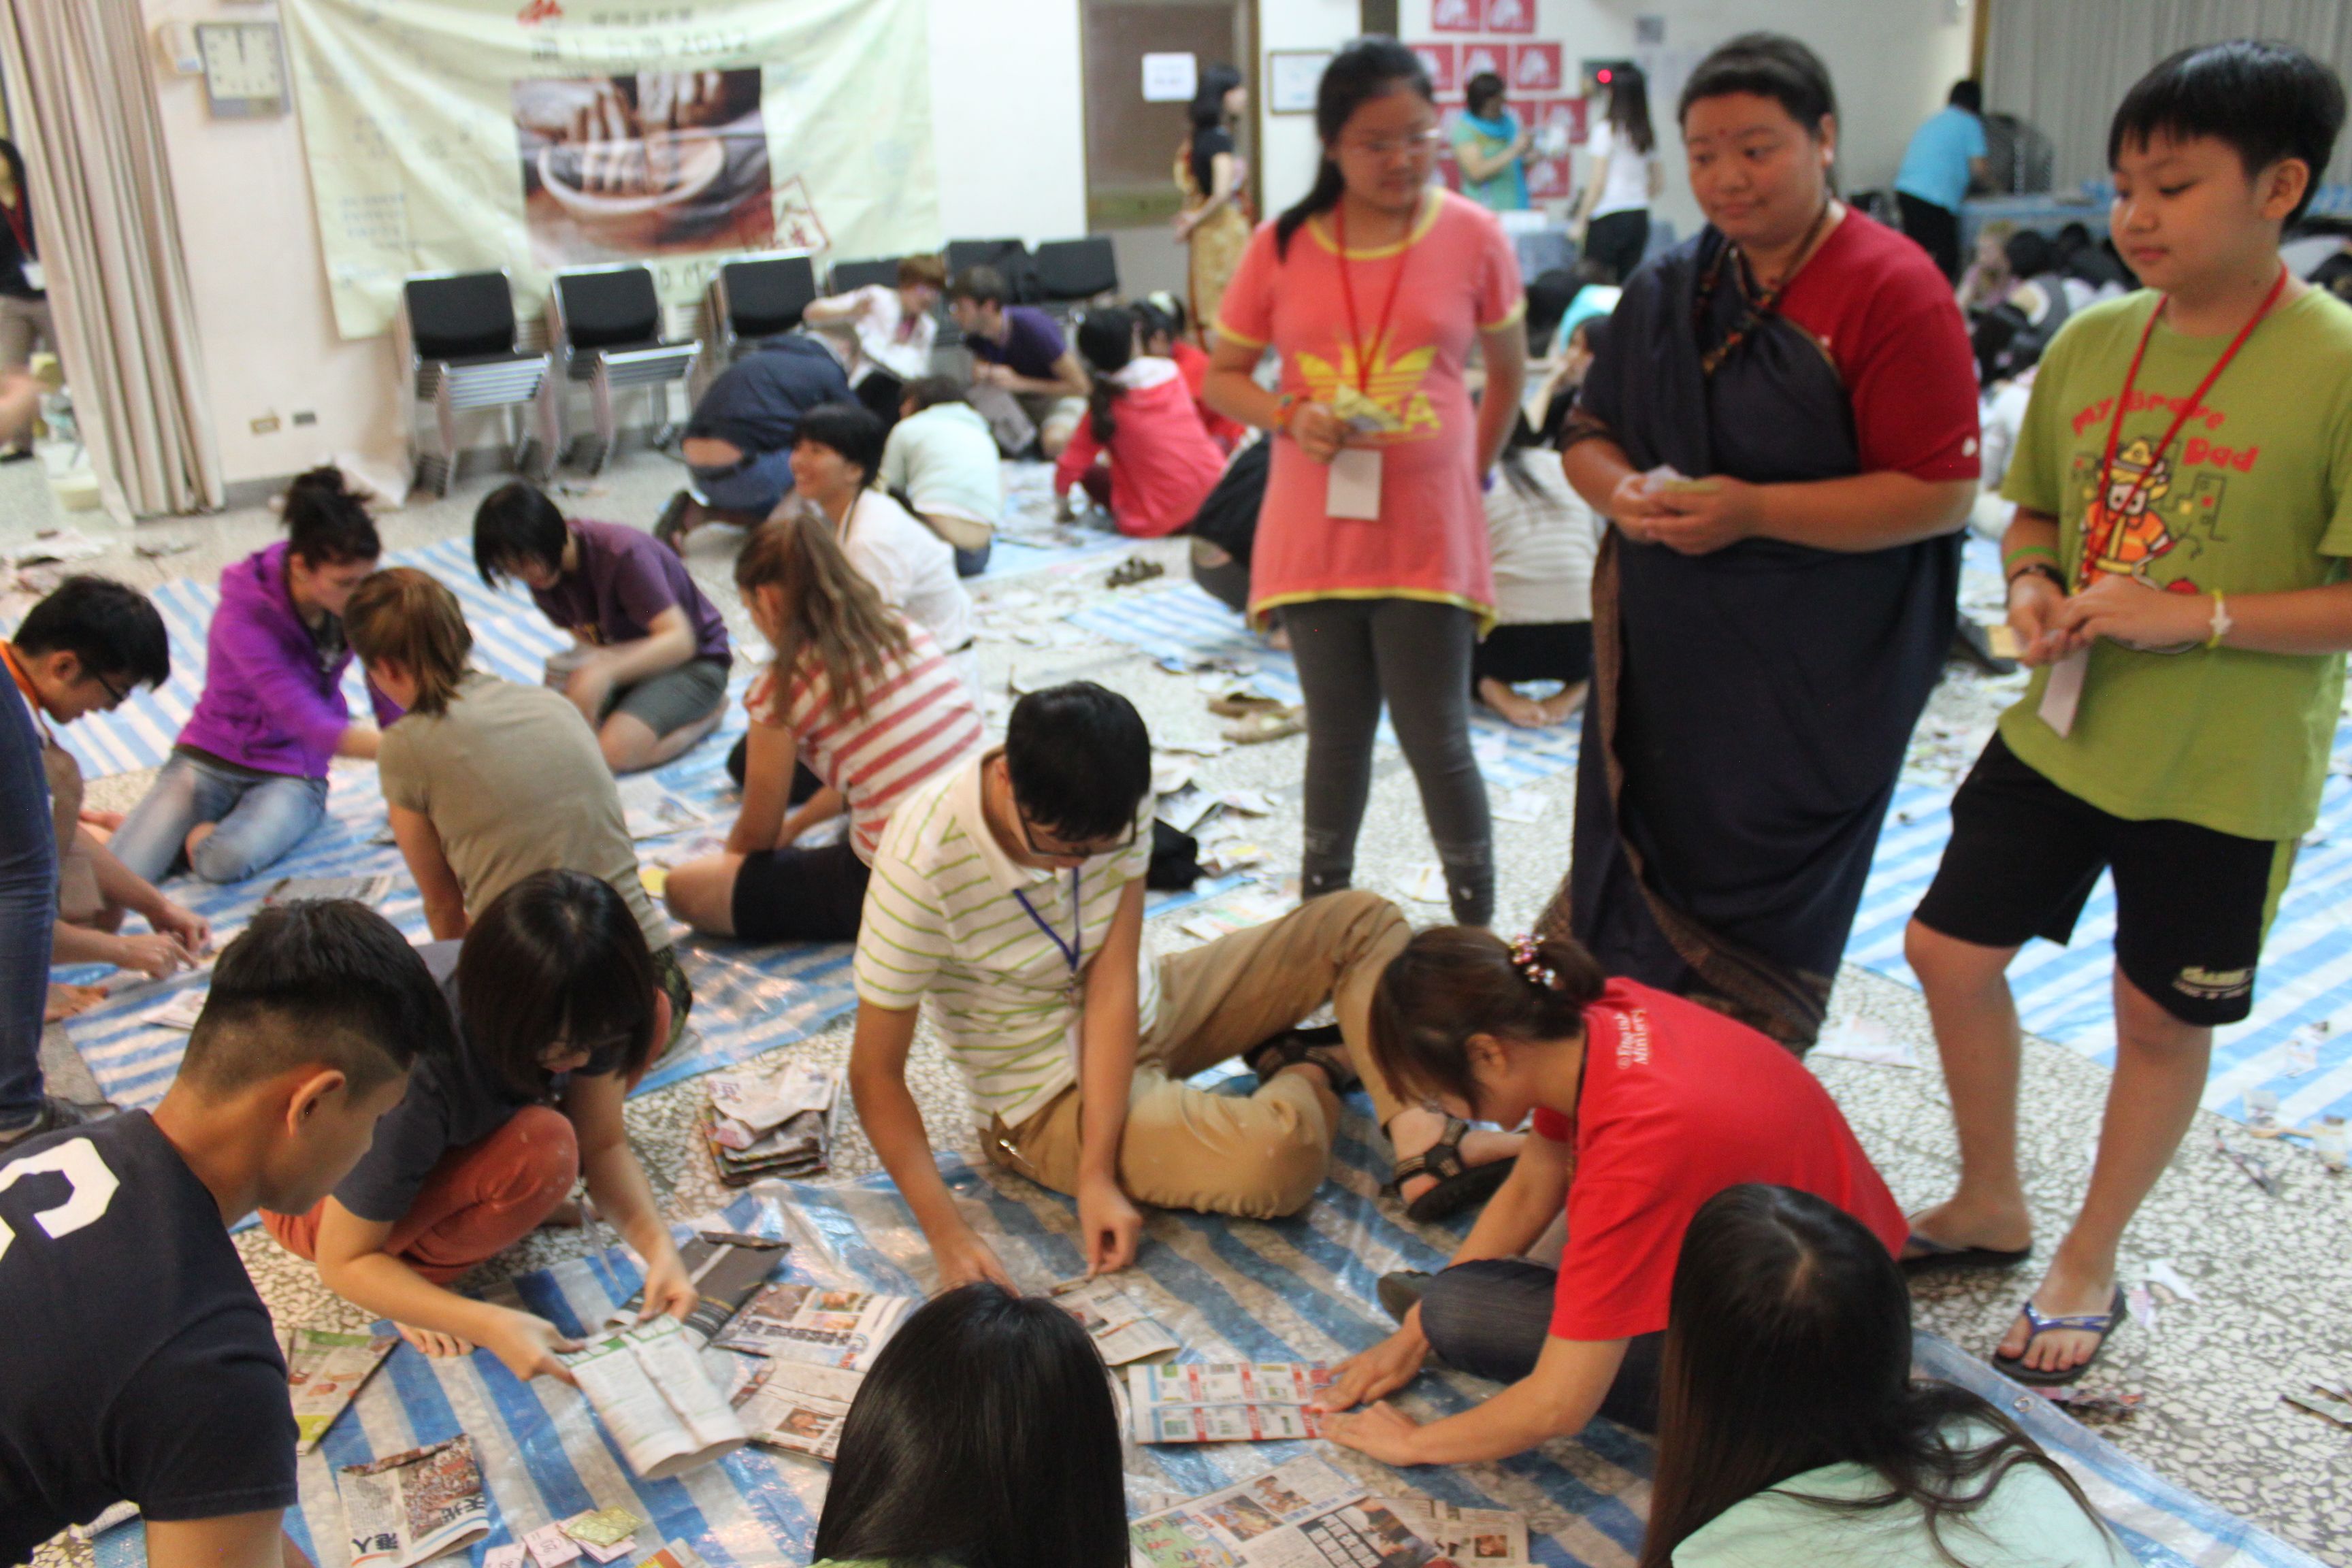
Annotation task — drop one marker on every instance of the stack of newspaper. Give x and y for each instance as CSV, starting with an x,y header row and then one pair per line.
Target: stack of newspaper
x,y
1226,1402
408,1508
323,1372
1304,1514
779,1125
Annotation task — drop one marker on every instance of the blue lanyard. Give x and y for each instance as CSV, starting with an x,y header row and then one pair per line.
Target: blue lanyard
x,y
1073,952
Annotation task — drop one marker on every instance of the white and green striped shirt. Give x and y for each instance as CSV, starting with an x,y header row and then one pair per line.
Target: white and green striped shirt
x,y
941,922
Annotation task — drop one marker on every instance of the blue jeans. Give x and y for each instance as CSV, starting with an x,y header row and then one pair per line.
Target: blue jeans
x,y
28,906
973,562
755,485
1490,1318
258,821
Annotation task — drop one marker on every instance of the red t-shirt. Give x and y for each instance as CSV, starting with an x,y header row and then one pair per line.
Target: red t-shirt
x,y
1886,319
1680,1102
1194,363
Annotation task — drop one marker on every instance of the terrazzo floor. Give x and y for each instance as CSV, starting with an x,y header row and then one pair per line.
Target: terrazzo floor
x,y
2268,1273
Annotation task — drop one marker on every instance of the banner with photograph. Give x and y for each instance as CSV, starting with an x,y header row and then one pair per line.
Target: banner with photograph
x,y
539,134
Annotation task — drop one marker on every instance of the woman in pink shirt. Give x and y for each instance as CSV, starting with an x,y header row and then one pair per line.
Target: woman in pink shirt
x,y
1372,541
1141,417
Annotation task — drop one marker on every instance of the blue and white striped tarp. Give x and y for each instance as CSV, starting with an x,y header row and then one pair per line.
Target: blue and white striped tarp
x,y
1297,1289
1181,622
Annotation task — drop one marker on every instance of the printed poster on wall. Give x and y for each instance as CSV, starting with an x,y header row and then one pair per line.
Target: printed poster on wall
x,y
539,134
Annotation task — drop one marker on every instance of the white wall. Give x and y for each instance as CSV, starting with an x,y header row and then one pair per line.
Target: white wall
x,y
1007,118
1287,151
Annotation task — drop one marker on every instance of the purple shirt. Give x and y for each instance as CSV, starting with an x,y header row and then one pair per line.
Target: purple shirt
x,y
1032,343
626,578
273,695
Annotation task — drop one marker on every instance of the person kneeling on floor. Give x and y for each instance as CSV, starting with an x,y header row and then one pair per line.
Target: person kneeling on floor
x,y
649,672
557,1016
142,1366
1010,894
1646,1106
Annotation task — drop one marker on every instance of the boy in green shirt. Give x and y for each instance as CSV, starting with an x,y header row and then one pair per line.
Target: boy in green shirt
x,y
2177,574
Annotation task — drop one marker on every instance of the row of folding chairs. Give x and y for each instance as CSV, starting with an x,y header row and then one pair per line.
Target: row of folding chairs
x,y
462,348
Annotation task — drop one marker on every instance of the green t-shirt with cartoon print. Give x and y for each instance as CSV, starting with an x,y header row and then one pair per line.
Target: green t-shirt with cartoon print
x,y
2254,496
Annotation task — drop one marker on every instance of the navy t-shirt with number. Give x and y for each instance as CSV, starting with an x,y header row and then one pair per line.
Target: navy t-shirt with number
x,y
139,1362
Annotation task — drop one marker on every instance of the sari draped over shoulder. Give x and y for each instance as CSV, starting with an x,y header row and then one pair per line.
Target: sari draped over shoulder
x,y
1750,708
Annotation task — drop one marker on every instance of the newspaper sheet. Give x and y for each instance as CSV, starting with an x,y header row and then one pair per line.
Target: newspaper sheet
x,y
1304,1514
1472,1537
323,1370
808,1322
1226,1402
798,1405
1121,1330
648,1387
407,1507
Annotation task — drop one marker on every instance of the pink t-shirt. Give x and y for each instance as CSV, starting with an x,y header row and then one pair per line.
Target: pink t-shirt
x,y
914,719
1461,278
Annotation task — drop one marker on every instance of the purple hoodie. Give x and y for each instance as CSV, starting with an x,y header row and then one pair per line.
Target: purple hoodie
x,y
268,704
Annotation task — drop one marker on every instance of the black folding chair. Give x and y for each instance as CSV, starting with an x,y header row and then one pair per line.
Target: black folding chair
x,y
1010,257
456,331
1072,273
759,297
848,276
604,327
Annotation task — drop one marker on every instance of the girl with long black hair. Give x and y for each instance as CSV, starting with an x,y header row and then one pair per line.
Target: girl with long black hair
x,y
1215,225
1158,462
1791,1431
1613,216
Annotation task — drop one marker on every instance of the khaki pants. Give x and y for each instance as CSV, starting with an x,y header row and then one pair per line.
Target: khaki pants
x,y
23,326
1219,1153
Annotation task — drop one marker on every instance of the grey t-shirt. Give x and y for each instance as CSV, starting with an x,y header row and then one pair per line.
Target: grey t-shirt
x,y
514,784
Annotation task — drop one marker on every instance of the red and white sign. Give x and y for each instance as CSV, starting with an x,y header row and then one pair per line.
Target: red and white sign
x,y
1548,112
1456,15
1439,61
1510,16
1546,178
1481,56
1534,67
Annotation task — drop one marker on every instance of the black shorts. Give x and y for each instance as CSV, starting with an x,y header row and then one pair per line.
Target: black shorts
x,y
2191,904
800,895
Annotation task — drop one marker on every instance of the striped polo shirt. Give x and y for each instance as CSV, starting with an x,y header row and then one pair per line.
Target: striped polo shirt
x,y
942,922
914,719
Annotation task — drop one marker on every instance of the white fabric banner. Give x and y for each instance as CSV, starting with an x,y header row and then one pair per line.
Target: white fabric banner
x,y
535,135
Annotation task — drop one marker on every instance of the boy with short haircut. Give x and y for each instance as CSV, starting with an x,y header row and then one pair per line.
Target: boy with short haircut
x,y
1008,892
82,650
141,1364
2177,570
1024,375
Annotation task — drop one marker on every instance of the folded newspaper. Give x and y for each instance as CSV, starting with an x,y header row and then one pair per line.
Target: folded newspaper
x,y
1304,1514
776,1125
801,1147
808,1322
798,1407
1226,1402
1119,1329
323,1372
409,1508
1471,1537
648,1384
650,811
725,1274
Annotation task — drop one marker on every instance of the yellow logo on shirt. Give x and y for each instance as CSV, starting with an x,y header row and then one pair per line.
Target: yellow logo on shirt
x,y
1395,386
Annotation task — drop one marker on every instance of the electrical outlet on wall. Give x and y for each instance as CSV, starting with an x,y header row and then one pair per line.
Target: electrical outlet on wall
x,y
304,416
266,426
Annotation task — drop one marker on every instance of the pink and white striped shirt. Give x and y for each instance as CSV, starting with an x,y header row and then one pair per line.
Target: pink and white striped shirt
x,y
916,718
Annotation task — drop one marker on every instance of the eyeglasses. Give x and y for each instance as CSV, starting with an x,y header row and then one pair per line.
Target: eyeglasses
x,y
1419,143
115,695
1050,850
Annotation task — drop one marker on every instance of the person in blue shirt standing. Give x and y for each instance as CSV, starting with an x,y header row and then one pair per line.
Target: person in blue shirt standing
x,y
1946,155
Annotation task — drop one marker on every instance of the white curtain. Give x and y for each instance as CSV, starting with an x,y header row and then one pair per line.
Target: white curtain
x,y
2063,65
81,88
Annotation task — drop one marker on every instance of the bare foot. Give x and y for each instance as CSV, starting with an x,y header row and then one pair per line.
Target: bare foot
x,y
432,1342
1957,1222
108,820
1524,711
70,1001
2063,1294
1416,1131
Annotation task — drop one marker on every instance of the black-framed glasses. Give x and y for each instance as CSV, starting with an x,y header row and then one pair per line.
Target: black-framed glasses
x,y
115,695
1052,851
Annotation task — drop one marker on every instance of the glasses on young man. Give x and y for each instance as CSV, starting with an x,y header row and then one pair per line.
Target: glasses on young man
x,y
1051,846
115,695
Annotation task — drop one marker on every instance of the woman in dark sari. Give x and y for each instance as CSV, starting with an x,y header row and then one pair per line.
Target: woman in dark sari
x,y
1767,628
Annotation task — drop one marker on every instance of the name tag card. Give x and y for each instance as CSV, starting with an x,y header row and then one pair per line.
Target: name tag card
x,y
1354,487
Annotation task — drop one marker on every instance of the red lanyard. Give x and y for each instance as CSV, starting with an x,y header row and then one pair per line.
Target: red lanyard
x,y
2180,417
17,222
1347,291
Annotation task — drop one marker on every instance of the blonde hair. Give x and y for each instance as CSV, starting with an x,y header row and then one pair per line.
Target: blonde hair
x,y
831,613
403,617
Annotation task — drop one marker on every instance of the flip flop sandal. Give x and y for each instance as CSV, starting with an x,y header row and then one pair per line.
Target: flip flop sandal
x,y
1242,704
2100,1323
1272,725
1939,1256
1459,1186
1320,1045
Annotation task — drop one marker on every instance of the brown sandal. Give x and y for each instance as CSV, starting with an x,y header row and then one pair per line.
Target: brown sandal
x,y
1321,1046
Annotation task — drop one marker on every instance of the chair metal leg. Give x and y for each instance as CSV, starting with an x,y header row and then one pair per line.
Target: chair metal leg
x,y
551,425
600,393
446,418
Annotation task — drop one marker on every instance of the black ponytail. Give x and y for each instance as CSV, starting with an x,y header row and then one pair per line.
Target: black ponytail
x,y
1107,340
1366,70
326,523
